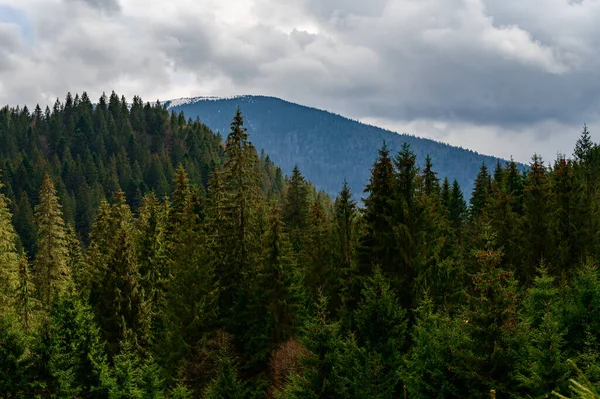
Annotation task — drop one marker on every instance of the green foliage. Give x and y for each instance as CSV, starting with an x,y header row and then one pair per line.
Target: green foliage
x,y
9,260
541,363
52,272
437,365
226,384
13,361
187,284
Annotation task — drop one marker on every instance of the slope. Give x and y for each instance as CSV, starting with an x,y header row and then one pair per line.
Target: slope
x,y
327,148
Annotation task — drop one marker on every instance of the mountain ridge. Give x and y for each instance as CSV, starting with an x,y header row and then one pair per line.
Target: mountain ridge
x,y
291,133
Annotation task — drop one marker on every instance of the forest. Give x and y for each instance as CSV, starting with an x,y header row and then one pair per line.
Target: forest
x,y
144,256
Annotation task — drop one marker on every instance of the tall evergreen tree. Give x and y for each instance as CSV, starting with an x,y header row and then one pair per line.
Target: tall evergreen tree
x,y
9,260
278,296
117,293
241,183
535,221
52,273
378,244
481,192
296,207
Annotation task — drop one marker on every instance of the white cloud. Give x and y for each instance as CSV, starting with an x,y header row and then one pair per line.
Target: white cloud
x,y
491,75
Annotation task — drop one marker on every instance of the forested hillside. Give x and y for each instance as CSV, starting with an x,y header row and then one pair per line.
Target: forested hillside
x,y
141,257
328,148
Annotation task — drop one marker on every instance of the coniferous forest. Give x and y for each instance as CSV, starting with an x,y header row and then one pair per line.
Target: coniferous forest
x,y
143,256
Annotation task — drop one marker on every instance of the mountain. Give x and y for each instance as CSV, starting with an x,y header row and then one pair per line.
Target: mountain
x,y
327,148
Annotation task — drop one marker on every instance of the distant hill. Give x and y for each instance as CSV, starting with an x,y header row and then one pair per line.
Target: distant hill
x,y
326,147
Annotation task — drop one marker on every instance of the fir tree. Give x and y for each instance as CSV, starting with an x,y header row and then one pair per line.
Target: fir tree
x,y
52,273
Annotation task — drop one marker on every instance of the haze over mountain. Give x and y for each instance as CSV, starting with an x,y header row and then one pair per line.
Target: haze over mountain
x,y
327,148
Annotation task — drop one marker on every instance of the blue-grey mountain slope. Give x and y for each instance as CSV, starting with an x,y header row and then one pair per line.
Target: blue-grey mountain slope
x,y
327,148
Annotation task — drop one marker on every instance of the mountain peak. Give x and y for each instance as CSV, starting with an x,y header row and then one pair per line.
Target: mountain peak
x,y
327,147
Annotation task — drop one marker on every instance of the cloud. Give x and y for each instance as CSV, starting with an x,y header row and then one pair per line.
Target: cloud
x,y
496,74
104,5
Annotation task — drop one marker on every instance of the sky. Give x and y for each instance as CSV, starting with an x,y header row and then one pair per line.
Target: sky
x,y
502,77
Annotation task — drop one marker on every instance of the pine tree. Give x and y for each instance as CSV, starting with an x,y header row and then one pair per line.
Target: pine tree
x,y
52,274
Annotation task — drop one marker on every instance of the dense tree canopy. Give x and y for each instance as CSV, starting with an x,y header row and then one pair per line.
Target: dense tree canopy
x,y
141,256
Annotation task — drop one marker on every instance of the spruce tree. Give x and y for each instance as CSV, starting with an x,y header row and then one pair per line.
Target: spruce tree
x,y
481,192
513,181
380,324
541,365
117,293
568,217
241,204
491,317
438,362
317,255
296,207
431,183
14,372
346,237
535,223
51,264
378,243
457,207
409,228
77,354
278,297
27,304
9,260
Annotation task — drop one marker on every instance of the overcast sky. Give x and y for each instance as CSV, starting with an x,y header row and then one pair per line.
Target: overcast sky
x,y
502,77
